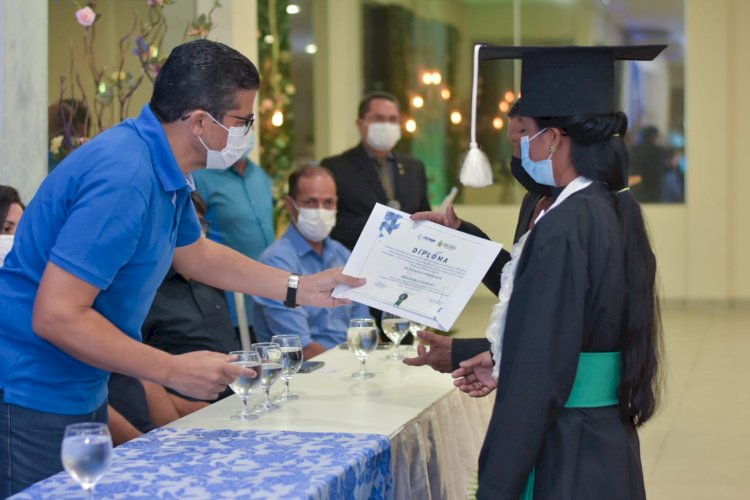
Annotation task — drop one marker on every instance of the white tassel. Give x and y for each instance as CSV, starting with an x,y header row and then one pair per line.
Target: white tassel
x,y
476,171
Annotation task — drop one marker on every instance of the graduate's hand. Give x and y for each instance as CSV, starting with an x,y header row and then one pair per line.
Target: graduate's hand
x,y
474,377
437,357
447,218
315,289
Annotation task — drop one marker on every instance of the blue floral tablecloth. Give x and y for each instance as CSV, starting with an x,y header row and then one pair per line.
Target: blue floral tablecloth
x,y
197,463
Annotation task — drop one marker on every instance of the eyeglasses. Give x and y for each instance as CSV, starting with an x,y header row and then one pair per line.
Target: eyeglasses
x,y
248,120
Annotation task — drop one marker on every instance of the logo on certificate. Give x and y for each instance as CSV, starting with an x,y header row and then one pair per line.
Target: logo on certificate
x,y
390,223
401,298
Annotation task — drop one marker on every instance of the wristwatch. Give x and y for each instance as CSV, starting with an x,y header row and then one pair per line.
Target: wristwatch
x,y
291,290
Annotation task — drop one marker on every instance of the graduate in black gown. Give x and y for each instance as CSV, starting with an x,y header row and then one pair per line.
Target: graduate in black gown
x,y
445,353
579,352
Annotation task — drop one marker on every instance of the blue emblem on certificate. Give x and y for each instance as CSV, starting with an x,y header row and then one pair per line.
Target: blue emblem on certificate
x,y
390,223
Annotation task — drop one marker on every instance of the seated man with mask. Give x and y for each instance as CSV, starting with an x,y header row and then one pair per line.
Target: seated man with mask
x,y
304,248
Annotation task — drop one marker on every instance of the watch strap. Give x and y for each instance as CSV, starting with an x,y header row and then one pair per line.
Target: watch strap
x,y
291,290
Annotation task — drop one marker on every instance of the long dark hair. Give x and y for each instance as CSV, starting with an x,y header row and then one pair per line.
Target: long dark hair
x,y
8,196
598,152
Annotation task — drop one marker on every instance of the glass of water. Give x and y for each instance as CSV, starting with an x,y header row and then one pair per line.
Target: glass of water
x,y
362,339
244,385
291,361
86,453
395,328
270,372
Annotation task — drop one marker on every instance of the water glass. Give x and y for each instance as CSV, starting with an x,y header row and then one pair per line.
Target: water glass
x,y
395,328
270,372
244,385
291,361
362,339
86,453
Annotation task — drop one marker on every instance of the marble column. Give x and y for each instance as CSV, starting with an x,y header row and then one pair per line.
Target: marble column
x,y
23,92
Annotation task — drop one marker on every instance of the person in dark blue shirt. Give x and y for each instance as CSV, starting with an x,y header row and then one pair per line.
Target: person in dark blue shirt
x,y
99,237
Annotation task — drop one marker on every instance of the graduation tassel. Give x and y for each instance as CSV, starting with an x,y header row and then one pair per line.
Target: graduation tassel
x,y
476,171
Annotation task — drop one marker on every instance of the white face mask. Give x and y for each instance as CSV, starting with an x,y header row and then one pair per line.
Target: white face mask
x,y
6,243
237,144
315,224
383,136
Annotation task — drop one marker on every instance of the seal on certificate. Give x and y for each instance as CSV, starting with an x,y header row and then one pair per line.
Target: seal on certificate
x,y
401,298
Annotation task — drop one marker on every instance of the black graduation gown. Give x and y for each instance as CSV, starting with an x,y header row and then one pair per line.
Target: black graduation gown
x,y
568,297
462,349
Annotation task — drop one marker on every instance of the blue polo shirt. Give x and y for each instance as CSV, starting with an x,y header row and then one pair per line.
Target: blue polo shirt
x,y
326,326
110,214
239,213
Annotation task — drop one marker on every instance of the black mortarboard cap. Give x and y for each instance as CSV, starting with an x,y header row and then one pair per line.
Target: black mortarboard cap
x,y
566,81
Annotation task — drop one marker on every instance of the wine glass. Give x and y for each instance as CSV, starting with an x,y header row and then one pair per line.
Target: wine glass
x,y
395,328
362,339
291,361
415,327
86,453
244,385
270,371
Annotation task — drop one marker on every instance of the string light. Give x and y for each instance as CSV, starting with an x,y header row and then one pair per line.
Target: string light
x,y
292,9
445,94
510,96
417,101
411,125
277,120
504,106
427,78
436,78
456,118
498,123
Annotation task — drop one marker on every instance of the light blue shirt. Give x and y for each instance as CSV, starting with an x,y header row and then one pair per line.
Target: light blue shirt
x,y
110,214
326,326
240,214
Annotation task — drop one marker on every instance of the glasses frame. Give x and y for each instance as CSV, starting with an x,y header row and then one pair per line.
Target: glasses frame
x,y
249,120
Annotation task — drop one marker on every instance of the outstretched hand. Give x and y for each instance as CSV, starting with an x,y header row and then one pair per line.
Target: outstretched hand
x,y
474,376
447,218
315,289
438,356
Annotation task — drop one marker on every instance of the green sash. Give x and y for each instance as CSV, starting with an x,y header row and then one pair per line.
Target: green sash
x,y
595,386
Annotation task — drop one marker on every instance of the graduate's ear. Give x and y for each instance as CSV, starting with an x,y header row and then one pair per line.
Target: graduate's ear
x,y
557,135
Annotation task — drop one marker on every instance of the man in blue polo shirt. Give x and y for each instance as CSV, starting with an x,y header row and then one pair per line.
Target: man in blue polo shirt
x,y
306,248
96,241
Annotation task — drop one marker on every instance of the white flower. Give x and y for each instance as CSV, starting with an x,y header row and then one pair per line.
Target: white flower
x,y
55,143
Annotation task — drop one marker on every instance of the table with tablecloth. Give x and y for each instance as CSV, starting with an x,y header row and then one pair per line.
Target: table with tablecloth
x,y
405,433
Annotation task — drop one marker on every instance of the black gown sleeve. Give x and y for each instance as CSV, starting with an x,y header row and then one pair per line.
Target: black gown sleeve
x,y
463,349
540,356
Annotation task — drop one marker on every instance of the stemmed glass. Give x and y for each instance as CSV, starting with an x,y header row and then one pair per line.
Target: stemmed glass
x,y
395,328
270,371
86,453
291,361
244,385
362,338
415,327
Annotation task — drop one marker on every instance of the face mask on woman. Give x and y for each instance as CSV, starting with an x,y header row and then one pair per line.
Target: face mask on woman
x,y
6,243
237,144
315,224
541,171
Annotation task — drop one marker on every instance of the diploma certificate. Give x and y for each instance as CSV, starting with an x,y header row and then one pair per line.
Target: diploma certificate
x,y
420,270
